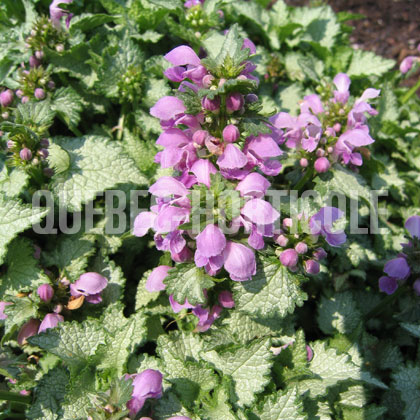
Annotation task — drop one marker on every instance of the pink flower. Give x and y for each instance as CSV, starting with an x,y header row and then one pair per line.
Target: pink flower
x,y
155,280
413,226
6,98
27,330
226,299
206,317
322,165
289,258
56,13
322,222
89,285
50,321
3,304
239,261
45,292
342,82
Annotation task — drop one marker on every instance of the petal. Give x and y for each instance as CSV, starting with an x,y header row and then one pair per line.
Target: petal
x,y
154,282
177,307
170,157
356,138
413,226
143,222
264,147
388,285
254,185
232,158
202,169
173,137
336,238
342,82
50,321
90,283
260,211
312,102
226,299
397,268
255,239
182,55
167,108
239,261
270,167
369,93
170,218
175,74
148,384
211,241
167,186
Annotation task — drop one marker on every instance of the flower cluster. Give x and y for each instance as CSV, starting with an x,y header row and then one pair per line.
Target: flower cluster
x,y
406,264
87,288
330,130
299,239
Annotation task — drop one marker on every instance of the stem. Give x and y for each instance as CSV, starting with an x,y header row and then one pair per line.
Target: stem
x,y
301,183
385,303
12,396
411,92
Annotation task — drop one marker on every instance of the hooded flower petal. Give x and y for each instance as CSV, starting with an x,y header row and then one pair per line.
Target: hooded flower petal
x,y
239,261
167,108
226,299
388,285
264,147
88,284
254,185
27,330
355,138
170,218
260,211
397,268
211,241
50,321
182,55
167,186
143,222
202,169
155,280
413,226
177,307
232,158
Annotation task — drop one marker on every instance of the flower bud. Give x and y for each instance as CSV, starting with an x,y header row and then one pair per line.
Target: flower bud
x,y
330,132
289,258
312,267
33,62
44,153
309,353
45,292
251,97
25,154
226,299
199,137
28,329
320,254
234,102
287,222
211,104
59,48
3,305
303,162
25,99
39,93
6,98
44,143
51,85
58,308
39,55
282,240
48,172
19,93
10,144
322,164
330,149
301,248
231,133
207,80
337,127
5,115
320,152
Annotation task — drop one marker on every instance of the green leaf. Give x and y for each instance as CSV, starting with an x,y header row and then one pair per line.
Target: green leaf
x,y
68,105
274,290
96,164
413,329
23,273
35,114
407,380
58,159
186,281
49,396
338,313
283,405
12,181
87,21
16,217
21,310
143,296
248,366
218,407
72,342
367,63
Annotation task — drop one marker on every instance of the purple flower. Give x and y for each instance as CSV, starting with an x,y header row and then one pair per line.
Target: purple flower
x,y
155,280
342,82
182,55
312,267
388,285
321,224
232,158
250,45
6,98
147,384
178,307
45,292
202,169
311,103
407,63
25,154
2,306
234,102
301,248
289,258
253,185
211,105
260,151
413,226
27,330
50,321
226,299
89,285
168,108
34,62
206,317
322,165
309,353
56,13
397,268
179,418
167,186
143,222
230,133
239,261
319,254
260,212
39,93
211,241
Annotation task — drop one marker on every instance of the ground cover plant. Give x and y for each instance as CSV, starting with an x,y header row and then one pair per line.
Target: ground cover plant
x,y
209,210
